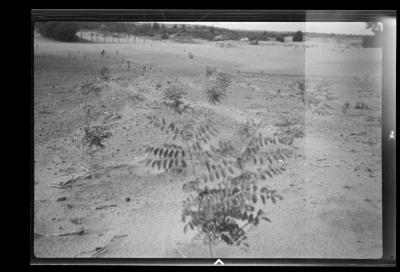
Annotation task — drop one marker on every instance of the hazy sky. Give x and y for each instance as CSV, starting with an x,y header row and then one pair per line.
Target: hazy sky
x,y
320,27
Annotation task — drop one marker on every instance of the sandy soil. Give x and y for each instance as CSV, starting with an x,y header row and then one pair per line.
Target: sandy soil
x,y
332,191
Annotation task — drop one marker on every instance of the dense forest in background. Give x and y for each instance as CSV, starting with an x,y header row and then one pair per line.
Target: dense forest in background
x,y
66,31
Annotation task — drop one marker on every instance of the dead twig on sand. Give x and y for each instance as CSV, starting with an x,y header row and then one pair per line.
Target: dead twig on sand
x,y
71,179
365,177
180,252
103,207
78,232
81,176
101,249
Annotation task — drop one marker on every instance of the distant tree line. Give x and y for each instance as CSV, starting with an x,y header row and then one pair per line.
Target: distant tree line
x,y
376,40
66,31
61,31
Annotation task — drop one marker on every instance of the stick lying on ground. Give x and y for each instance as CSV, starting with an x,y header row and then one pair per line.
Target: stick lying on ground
x,y
69,179
78,232
83,174
101,249
102,207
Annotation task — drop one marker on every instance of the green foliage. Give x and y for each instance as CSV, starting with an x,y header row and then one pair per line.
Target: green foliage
x,y
94,138
253,42
60,31
223,213
298,36
361,106
143,29
105,73
215,94
374,26
217,91
225,197
345,107
201,34
315,97
375,41
173,98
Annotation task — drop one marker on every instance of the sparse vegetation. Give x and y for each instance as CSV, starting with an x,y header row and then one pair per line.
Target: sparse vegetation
x,y
93,142
215,94
105,73
315,98
227,140
223,80
93,138
90,87
217,91
376,40
173,98
345,107
136,97
361,106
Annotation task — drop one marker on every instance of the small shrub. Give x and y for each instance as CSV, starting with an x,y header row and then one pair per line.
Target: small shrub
x,y
345,107
253,42
93,142
249,128
90,87
217,91
94,138
280,39
173,98
225,198
223,80
361,106
210,71
301,84
105,73
136,97
215,94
